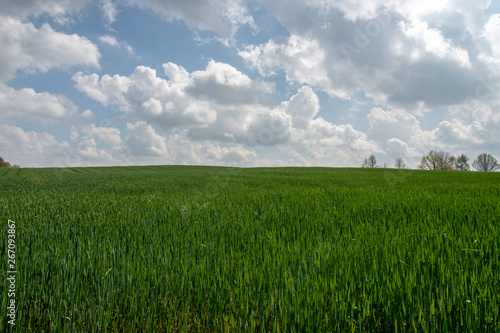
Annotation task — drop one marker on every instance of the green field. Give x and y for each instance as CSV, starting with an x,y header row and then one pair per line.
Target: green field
x,y
210,249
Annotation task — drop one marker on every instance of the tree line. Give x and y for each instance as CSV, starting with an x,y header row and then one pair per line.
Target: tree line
x,y
441,160
434,160
4,164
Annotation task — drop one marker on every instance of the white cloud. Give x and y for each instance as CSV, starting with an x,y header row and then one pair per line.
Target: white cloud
x,y
455,133
56,8
301,58
491,34
129,48
142,140
109,11
398,148
229,155
409,59
31,49
95,145
288,10
302,107
31,148
217,103
88,151
220,16
226,85
400,54
105,134
87,114
451,136
41,149
26,104
223,107
105,89
399,134
201,14
328,144
112,41
142,146
432,41
315,141
385,125
183,150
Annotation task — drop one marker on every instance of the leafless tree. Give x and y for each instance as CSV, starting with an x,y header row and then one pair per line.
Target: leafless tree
x,y
486,162
400,163
437,160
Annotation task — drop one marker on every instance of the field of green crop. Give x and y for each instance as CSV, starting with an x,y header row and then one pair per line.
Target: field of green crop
x,y
209,249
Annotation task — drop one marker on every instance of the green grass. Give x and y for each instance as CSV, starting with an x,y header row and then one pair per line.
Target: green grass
x,y
209,249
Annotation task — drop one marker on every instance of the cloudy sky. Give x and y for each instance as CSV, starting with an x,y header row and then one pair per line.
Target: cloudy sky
x,y
247,83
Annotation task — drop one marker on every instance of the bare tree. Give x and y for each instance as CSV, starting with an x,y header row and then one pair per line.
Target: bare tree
x,y
370,162
486,162
462,163
400,163
437,160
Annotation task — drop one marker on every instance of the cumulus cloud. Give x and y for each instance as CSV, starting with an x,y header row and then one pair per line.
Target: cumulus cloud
x,y
183,150
26,104
216,103
399,133
331,145
409,59
32,148
41,149
302,107
491,38
226,85
397,53
87,114
224,106
105,89
450,135
94,145
31,49
142,140
432,41
145,146
385,125
105,134
302,59
88,151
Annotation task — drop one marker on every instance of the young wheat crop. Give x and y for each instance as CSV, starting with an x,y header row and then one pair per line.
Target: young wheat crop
x,y
207,249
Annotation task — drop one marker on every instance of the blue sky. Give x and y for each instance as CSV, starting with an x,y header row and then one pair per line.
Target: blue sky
x,y
247,83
